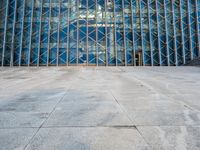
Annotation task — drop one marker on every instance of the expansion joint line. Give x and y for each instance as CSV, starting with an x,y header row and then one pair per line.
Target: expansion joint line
x,y
130,119
45,120
41,126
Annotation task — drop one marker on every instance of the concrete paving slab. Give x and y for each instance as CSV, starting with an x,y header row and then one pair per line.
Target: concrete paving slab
x,y
140,96
191,100
88,138
172,137
151,105
32,101
100,108
43,107
21,119
16,138
79,96
88,114
165,117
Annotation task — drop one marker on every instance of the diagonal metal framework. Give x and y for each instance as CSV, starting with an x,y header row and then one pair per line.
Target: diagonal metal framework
x,y
99,32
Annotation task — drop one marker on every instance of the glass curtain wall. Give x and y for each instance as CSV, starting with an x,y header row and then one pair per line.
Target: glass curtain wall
x,y
99,32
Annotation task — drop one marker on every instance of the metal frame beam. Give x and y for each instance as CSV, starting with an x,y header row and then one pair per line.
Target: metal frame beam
x,y
77,33
133,35
58,35
158,30
13,36
197,24
40,30
97,52
31,30
174,28
87,32
166,34
49,33
141,26
150,38
124,35
68,23
106,32
5,29
182,33
189,28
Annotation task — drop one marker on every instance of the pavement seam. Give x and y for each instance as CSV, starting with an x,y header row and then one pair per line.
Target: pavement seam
x,y
44,122
101,126
41,126
155,90
167,96
131,120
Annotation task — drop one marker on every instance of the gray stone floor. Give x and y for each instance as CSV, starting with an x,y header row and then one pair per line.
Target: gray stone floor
x,y
105,108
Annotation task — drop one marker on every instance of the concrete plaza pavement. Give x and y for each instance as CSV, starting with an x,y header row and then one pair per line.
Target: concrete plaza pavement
x,y
100,108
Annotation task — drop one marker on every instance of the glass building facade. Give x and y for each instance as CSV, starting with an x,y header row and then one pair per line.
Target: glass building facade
x,y
99,32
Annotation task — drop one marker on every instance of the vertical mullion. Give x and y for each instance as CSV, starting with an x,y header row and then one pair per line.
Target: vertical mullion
x,y
133,38
115,33
5,29
189,28
166,34
144,33
49,32
193,29
68,23
2,22
13,35
153,32
58,34
97,53
151,47
146,46
158,29
87,36
31,29
77,34
124,38
39,44
182,33
22,34
137,31
141,33
106,32
129,32
174,28
197,25
169,32
162,32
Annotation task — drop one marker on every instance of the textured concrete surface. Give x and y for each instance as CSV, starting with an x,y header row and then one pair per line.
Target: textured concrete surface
x,y
105,108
